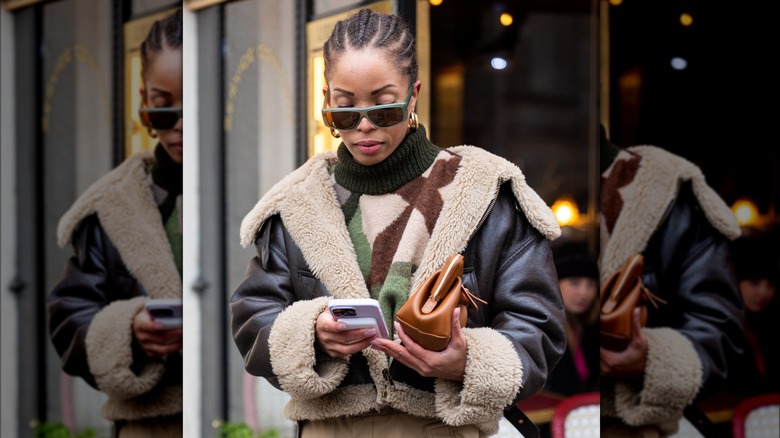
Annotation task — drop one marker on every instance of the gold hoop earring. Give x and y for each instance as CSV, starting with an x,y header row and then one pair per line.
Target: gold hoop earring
x,y
151,132
334,133
413,122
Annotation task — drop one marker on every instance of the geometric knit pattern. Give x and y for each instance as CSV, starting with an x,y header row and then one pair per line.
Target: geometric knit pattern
x,y
401,222
620,174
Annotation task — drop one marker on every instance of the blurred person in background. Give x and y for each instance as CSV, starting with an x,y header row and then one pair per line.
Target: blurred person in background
x,y
757,273
578,275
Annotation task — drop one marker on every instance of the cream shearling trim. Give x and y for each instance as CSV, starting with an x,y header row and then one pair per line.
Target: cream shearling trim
x,y
309,209
163,401
475,186
124,203
293,358
672,379
110,355
655,185
312,215
492,379
352,400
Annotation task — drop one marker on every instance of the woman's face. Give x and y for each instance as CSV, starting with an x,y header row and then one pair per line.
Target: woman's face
x,y
757,294
578,294
363,78
163,84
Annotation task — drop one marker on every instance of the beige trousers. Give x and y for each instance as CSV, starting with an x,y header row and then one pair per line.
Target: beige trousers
x,y
389,425
164,427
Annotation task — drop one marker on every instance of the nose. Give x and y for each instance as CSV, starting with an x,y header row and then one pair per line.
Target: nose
x,y
365,124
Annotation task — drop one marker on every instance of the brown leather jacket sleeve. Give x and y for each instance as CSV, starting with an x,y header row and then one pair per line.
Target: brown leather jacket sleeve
x,y
689,264
93,277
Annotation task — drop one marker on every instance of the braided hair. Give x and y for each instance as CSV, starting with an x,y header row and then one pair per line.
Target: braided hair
x,y
369,29
164,33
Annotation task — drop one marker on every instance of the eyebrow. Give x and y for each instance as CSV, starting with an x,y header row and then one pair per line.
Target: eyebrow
x,y
161,91
373,93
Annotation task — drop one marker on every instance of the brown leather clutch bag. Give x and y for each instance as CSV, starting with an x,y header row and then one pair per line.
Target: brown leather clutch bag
x,y
426,317
620,295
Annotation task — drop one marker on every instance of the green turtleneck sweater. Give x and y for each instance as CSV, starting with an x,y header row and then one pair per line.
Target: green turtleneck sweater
x,y
390,209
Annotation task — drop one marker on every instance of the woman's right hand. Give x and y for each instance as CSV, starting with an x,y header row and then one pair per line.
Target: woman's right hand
x,y
154,338
334,339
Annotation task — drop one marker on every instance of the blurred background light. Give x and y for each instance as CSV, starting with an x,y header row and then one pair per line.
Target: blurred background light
x,y
498,63
566,211
506,19
679,63
745,211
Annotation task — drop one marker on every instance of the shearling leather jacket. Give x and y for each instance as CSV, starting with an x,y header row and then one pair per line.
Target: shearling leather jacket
x,y
513,341
115,229
660,204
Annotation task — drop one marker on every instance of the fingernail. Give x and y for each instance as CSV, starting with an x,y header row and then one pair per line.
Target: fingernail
x,y
341,326
396,325
369,332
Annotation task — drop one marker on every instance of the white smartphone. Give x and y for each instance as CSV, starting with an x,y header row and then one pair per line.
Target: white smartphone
x,y
359,313
165,310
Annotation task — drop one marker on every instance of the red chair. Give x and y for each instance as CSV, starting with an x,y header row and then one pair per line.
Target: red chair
x,y
577,415
757,416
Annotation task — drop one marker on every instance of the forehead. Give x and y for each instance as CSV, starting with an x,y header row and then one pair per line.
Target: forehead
x,y
365,68
165,68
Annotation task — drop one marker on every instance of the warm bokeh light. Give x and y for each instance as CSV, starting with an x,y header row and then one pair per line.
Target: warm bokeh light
x,y
616,2
566,211
745,211
506,19
435,2
686,19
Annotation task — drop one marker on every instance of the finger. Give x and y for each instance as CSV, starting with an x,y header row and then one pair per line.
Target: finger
x,y
637,318
408,342
357,335
162,350
457,335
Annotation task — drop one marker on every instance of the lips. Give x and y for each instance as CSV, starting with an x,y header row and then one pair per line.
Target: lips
x,y
368,147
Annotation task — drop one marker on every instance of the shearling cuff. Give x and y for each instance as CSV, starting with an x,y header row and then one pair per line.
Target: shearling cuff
x,y
492,379
293,357
672,379
110,352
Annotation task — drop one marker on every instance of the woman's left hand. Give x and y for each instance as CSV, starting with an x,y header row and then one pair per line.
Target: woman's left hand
x,y
449,363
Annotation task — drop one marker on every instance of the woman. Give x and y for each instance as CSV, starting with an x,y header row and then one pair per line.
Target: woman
x,y
578,370
126,235
756,265
374,220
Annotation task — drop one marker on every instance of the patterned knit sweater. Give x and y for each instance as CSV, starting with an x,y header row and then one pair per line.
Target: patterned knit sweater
x,y
390,209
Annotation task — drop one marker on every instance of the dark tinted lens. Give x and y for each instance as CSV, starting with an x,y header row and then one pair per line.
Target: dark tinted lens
x,y
344,119
163,120
386,117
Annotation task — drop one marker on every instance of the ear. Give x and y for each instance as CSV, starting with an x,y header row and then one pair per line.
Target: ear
x,y
415,94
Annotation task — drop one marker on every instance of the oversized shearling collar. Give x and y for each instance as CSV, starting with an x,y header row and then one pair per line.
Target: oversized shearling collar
x,y
647,198
306,201
124,203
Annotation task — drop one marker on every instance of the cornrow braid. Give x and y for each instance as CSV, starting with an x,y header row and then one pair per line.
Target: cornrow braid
x,y
369,29
166,32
